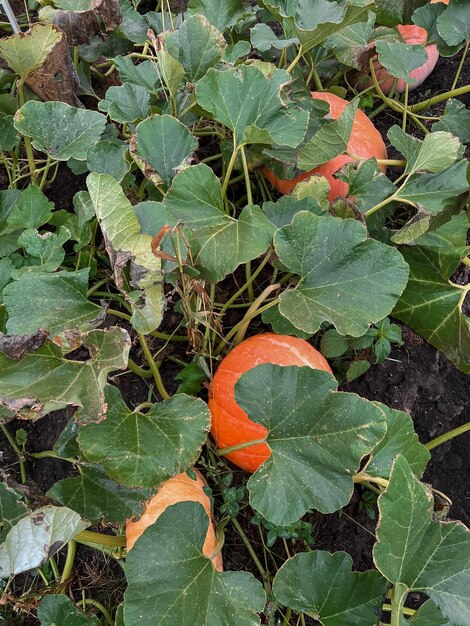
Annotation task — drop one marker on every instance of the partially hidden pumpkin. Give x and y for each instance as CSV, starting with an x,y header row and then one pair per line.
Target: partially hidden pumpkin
x,y
364,142
230,424
180,488
411,35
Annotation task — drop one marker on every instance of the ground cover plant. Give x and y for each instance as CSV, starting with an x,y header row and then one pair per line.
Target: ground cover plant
x,y
225,229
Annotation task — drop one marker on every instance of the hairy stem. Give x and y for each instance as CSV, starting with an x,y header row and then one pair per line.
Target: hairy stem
x,y
455,432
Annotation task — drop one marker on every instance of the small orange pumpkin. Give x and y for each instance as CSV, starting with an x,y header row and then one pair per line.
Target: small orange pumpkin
x,y
365,142
180,488
230,424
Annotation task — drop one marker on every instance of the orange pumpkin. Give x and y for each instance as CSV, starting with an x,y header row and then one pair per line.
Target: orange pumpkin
x,y
412,35
230,424
444,1
180,488
365,142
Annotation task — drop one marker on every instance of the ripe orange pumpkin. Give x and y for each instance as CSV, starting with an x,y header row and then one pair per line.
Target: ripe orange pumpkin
x,y
444,1
180,488
230,424
365,141
412,35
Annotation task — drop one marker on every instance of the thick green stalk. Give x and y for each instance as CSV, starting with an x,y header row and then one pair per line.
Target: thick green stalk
x,y
455,432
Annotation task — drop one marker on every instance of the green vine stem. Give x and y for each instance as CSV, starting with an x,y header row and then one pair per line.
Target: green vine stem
x,y
387,608
50,454
364,478
453,93
253,308
27,140
153,333
253,555
100,539
455,432
459,69
102,609
239,446
153,366
69,561
18,452
400,593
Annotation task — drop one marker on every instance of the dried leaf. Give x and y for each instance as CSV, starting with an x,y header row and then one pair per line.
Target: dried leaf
x,y
16,346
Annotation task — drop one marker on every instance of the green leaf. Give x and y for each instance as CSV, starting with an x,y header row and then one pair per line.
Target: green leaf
x,y
59,610
400,59
126,103
281,324
200,46
222,15
9,138
414,550
165,146
333,344
125,242
368,185
26,52
313,21
431,304
453,24
36,537
253,105
171,71
427,17
356,369
263,38
44,381
329,141
317,437
346,279
427,615
144,74
170,581
60,130
283,211
191,376
44,251
12,509
456,120
31,210
133,25
56,302
144,449
351,42
108,157
400,438
95,496
323,586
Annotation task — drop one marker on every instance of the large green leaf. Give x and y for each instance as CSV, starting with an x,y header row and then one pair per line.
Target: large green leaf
x,y
323,586
165,146
427,615
329,141
351,42
95,496
400,438
59,610
60,130
427,17
400,59
317,437
36,537
56,302
12,509
108,157
197,45
44,381
9,138
144,449
453,24
222,15
313,21
126,103
126,244
431,304
345,278
26,52
456,120
368,185
44,251
30,210
414,550
171,582
253,105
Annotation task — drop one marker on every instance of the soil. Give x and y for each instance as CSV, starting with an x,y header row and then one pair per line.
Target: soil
x,y
416,378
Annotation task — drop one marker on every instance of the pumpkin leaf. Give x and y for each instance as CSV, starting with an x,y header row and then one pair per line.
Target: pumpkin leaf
x,y
222,15
253,105
323,586
400,59
453,25
322,457
329,141
125,243
427,615
126,103
36,537
44,251
455,120
31,209
144,449
350,43
58,610
163,147
60,130
400,438
26,52
12,509
95,496
108,157
427,17
171,550
368,185
55,302
359,287
419,553
263,38
431,304
9,138
44,381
